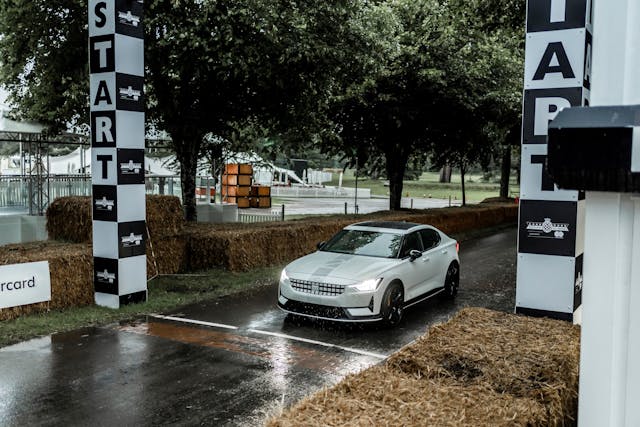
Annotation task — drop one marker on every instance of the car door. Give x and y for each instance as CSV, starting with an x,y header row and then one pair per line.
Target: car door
x,y
412,273
438,256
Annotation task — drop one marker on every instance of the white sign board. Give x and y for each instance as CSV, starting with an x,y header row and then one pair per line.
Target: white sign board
x,y
22,284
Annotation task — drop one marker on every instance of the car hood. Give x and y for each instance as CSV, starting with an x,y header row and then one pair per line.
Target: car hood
x,y
320,266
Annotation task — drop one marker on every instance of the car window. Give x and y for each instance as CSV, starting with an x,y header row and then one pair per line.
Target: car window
x,y
430,238
366,243
411,242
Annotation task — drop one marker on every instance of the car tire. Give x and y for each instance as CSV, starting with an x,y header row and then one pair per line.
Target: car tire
x,y
452,281
393,304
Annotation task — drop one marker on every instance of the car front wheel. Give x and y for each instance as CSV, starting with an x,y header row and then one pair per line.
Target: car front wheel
x,y
452,280
393,304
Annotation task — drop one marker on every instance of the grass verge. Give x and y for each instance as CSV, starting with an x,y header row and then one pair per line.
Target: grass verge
x,y
429,186
166,293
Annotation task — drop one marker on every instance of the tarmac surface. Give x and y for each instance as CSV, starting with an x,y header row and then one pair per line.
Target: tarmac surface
x,y
231,361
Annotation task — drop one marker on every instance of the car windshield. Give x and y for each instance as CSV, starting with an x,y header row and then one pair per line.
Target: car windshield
x,y
366,243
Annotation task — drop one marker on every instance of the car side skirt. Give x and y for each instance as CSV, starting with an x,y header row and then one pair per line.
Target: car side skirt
x,y
423,297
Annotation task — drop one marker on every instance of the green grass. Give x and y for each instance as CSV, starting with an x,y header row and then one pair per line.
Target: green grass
x,y
166,293
428,186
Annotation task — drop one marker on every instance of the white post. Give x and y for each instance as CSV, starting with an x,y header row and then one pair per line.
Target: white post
x,y
610,346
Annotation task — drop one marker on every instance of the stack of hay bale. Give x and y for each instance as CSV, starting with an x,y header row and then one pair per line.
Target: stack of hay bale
x,y
236,184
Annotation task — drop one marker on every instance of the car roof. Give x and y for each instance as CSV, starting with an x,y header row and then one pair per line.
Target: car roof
x,y
400,227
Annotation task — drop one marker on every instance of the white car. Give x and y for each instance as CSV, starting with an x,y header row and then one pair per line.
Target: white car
x,y
371,271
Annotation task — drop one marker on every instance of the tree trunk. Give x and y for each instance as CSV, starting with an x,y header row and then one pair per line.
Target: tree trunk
x,y
445,174
505,171
396,166
464,194
188,168
187,147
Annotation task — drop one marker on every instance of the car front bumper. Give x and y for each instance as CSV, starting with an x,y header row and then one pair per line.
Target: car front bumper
x,y
346,307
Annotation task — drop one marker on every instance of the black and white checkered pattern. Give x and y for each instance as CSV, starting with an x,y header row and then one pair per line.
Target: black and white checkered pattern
x,y
551,221
116,62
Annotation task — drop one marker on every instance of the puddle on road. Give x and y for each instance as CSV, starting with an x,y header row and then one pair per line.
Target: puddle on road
x,y
279,352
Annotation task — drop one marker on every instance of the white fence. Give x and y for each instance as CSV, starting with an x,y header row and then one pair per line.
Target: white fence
x,y
299,191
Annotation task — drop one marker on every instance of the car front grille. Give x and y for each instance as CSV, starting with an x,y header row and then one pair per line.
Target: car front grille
x,y
317,288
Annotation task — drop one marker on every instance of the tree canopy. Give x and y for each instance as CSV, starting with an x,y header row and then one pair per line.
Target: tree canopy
x,y
442,80
382,81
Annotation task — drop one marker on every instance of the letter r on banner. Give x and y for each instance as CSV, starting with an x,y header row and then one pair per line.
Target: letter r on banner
x,y
546,110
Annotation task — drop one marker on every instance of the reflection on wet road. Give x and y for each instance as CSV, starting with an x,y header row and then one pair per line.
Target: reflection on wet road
x,y
231,361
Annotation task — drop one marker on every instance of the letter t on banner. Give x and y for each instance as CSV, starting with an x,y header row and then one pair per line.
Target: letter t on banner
x,y
116,63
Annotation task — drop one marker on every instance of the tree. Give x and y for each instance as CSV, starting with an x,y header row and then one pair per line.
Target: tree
x,y
437,85
504,20
209,66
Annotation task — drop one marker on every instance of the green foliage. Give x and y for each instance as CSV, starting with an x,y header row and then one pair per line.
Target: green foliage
x,y
40,46
211,67
385,82
450,73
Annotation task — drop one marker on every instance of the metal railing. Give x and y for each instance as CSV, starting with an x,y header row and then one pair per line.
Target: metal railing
x,y
14,189
252,216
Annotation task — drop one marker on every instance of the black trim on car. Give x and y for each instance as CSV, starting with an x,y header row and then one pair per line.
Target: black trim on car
x,y
418,299
325,312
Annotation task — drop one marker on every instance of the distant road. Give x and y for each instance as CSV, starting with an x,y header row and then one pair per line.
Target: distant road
x,y
322,206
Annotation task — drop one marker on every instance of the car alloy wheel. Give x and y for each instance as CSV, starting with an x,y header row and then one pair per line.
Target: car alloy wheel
x,y
451,281
393,304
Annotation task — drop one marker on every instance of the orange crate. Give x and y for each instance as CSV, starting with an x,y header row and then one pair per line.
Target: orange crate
x,y
243,202
238,169
264,202
264,190
236,191
244,180
255,202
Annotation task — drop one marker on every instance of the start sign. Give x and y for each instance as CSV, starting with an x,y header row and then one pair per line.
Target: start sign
x,y
116,63
551,223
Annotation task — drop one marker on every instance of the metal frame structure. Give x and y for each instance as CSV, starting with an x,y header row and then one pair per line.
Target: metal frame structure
x,y
35,162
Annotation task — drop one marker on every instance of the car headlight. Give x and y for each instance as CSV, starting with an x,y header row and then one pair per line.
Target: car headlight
x,y
283,276
368,285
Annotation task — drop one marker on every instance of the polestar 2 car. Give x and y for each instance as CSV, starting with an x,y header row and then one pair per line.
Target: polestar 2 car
x,y
371,271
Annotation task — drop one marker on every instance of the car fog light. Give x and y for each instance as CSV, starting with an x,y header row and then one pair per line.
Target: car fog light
x,y
284,277
368,285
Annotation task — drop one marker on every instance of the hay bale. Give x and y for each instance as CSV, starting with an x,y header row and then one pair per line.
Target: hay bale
x,y
166,255
482,368
69,219
240,247
71,268
164,215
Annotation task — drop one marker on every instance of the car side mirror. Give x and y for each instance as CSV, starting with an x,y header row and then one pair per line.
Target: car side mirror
x,y
414,254
320,245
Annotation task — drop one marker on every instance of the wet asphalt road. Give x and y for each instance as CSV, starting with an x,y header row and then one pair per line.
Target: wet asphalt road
x,y
232,361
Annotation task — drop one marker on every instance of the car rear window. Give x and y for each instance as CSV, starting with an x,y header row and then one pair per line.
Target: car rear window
x,y
365,243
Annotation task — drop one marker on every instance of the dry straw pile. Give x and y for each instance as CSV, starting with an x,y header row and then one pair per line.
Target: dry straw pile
x,y
482,368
